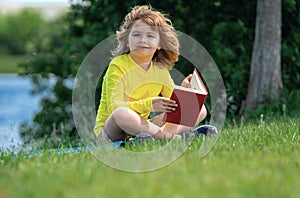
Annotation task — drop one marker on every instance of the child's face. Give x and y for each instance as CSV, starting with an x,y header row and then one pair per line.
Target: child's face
x,y
143,39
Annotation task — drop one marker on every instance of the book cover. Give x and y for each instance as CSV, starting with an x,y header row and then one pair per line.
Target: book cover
x,y
189,100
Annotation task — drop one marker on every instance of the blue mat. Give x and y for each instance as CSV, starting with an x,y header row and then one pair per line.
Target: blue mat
x,y
139,139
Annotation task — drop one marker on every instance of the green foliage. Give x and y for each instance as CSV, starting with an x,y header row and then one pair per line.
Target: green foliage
x,y
290,53
233,58
286,106
224,28
21,32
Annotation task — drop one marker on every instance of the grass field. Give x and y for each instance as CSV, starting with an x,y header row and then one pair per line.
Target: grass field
x,y
250,160
9,63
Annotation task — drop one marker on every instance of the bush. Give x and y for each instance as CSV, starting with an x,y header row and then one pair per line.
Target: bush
x,y
21,32
224,28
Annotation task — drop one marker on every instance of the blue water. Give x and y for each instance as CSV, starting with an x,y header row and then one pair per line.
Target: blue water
x,y
17,105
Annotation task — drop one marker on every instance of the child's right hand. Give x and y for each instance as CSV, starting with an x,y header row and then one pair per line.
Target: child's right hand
x,y
162,104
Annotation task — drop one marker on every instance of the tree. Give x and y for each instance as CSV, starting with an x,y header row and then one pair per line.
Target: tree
x,y
20,31
225,28
265,76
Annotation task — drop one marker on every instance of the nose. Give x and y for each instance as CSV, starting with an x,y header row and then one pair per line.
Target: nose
x,y
143,39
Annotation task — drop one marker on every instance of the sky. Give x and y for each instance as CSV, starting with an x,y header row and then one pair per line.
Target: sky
x,y
35,2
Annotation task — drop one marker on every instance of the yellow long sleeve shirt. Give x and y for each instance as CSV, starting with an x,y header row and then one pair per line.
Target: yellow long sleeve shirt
x,y
127,84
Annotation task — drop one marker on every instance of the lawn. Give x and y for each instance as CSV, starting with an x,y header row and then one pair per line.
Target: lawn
x,y
249,160
9,63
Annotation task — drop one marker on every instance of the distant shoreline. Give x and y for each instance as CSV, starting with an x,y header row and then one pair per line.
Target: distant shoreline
x,y
9,74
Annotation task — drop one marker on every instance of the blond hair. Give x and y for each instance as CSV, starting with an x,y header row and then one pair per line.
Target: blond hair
x,y
169,52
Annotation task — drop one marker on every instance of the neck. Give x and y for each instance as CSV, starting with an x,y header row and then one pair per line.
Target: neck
x,y
142,60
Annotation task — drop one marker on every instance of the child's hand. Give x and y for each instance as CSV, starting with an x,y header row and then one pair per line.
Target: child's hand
x,y
162,104
186,81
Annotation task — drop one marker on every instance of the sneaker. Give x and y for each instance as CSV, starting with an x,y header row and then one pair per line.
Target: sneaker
x,y
206,130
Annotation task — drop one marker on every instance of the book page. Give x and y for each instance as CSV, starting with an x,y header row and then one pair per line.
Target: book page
x,y
196,82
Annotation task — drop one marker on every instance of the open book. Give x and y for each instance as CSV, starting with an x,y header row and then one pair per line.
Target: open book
x,y
189,101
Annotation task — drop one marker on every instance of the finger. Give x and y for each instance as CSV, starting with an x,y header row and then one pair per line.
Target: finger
x,y
164,99
169,108
169,101
189,77
172,103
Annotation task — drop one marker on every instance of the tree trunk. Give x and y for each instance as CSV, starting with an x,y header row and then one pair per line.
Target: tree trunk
x,y
265,75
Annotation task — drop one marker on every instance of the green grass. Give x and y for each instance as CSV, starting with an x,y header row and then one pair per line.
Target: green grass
x,y
9,63
250,160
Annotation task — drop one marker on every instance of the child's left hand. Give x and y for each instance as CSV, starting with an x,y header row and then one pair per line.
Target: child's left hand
x,y
162,104
186,81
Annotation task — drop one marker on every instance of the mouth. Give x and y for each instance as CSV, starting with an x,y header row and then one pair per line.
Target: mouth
x,y
143,47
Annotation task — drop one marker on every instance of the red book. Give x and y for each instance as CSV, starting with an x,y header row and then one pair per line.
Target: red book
x,y
189,101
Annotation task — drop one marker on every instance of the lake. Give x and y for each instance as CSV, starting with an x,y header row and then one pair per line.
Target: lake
x,y
17,105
